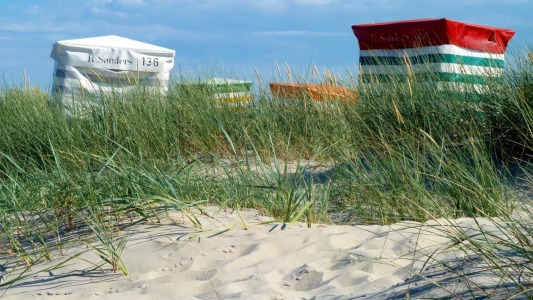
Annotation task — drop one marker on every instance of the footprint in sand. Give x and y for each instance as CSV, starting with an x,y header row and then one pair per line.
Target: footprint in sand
x,y
307,279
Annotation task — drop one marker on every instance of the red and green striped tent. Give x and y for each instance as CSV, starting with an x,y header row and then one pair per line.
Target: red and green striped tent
x,y
453,55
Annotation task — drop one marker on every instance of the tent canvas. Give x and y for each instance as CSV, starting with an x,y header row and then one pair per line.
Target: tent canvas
x,y
313,91
233,92
108,63
452,55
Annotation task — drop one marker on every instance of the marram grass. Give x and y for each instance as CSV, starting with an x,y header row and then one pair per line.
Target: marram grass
x,y
405,153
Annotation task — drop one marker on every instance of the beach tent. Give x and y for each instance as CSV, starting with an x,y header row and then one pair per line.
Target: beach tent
x,y
313,91
90,66
446,54
225,91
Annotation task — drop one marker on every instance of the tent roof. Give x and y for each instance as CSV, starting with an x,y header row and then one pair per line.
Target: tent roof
x,y
113,52
432,32
112,41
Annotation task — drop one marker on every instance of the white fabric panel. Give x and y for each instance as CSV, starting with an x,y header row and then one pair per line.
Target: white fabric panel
x,y
89,67
432,67
455,68
449,49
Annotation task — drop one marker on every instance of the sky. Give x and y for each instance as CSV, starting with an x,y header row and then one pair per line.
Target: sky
x,y
231,38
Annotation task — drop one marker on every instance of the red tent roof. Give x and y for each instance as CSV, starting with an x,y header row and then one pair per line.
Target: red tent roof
x,y
432,32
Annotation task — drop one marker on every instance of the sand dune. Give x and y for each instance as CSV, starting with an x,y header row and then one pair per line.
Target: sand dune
x,y
265,261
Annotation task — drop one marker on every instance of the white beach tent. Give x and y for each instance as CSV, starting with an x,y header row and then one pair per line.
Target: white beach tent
x,y
90,66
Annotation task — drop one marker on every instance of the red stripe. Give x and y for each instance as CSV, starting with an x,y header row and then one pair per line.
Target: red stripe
x,y
432,32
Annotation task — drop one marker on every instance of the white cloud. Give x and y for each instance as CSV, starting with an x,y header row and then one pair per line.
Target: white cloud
x,y
271,5
107,12
34,9
316,2
297,33
121,2
130,2
33,27
264,6
100,2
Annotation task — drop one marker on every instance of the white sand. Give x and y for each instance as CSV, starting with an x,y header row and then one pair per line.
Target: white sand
x,y
266,261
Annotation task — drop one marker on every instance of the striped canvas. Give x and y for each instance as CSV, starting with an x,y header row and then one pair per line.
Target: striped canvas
x,y
74,81
78,89
87,68
230,92
446,67
443,54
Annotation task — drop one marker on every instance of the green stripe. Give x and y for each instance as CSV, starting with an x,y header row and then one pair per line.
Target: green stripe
x,y
437,76
222,88
432,58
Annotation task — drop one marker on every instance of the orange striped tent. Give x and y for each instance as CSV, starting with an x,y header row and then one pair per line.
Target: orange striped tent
x,y
314,91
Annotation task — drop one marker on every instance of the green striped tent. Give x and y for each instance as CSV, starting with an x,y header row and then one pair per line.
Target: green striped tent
x,y
447,55
225,91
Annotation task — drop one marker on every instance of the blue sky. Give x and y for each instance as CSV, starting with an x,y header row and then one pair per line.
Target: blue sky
x,y
230,37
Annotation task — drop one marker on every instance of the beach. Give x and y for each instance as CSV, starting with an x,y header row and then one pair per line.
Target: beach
x,y
246,255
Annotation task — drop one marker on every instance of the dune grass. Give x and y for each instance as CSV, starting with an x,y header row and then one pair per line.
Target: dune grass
x,y
405,153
